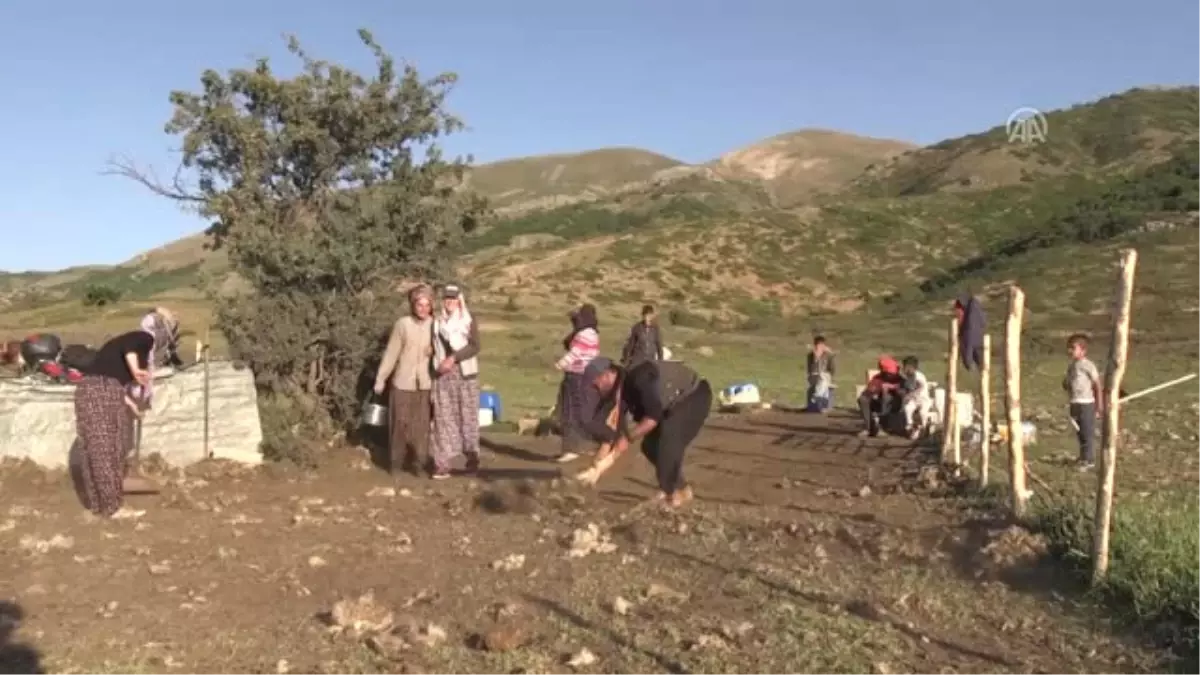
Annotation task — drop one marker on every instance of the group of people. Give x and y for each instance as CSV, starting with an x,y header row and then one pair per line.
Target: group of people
x,y
432,361
116,387
897,389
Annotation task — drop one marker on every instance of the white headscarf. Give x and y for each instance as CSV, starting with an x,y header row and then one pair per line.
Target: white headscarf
x,y
452,332
455,326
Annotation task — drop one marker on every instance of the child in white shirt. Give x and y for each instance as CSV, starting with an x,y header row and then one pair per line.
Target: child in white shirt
x,y
918,403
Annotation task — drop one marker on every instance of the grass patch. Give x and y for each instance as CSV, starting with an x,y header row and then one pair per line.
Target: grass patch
x,y
1154,569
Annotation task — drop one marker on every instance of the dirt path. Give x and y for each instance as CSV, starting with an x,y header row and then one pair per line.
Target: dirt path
x,y
785,563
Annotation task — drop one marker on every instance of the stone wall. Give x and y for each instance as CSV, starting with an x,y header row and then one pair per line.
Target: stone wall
x,y
37,419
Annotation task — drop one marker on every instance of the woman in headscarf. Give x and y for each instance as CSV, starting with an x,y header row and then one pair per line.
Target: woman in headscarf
x,y
162,324
407,361
575,402
102,420
455,384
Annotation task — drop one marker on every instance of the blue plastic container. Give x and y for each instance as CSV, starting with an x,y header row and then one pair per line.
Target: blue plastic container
x,y
490,400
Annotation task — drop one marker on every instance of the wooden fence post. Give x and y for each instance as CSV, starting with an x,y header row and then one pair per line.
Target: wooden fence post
x,y
985,411
205,354
950,431
1118,351
1012,399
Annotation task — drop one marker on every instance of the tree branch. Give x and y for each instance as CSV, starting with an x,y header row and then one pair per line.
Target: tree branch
x,y
176,190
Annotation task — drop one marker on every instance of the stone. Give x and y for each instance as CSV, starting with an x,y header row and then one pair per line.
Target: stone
x,y
37,419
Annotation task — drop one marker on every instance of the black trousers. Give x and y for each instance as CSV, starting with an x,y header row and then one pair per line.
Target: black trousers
x,y
665,446
877,407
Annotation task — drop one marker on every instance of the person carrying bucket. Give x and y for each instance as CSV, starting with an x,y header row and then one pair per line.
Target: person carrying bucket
x,y
407,362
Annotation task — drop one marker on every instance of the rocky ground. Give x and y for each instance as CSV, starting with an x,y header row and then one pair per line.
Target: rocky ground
x,y
807,550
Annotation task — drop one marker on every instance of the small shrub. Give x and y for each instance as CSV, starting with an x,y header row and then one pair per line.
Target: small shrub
x,y
686,319
288,429
510,305
99,295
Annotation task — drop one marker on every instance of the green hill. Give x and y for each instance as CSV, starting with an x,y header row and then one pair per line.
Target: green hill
x,y
1116,133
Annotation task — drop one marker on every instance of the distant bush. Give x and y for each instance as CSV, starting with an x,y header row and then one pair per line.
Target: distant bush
x,y
686,319
99,295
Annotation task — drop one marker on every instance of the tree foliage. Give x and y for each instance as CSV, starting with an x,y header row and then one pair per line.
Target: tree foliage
x,y
325,189
99,295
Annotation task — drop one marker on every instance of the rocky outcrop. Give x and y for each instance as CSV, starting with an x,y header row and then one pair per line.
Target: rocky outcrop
x,y
37,419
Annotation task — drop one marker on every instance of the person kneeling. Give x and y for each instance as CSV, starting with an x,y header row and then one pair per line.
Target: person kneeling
x,y
668,403
879,401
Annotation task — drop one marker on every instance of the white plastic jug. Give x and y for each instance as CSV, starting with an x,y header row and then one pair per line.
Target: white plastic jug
x,y
486,417
740,394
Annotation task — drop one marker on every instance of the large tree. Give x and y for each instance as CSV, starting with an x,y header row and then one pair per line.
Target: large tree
x,y
324,190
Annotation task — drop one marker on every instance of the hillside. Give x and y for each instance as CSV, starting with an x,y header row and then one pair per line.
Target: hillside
x,y
719,244
550,180
798,165
1116,133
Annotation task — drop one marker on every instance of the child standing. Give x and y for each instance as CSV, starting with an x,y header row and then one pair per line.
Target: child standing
x,y
821,369
918,404
1082,385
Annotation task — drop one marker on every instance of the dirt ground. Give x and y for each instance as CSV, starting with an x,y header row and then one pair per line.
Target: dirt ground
x,y
807,550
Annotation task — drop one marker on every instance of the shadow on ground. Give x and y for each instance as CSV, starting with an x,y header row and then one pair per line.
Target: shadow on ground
x,y
15,657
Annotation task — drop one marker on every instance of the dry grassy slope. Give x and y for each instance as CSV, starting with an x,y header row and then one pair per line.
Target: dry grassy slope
x,y
1119,132
547,180
757,269
797,165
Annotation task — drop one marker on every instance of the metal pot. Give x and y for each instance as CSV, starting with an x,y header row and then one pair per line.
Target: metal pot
x,y
374,414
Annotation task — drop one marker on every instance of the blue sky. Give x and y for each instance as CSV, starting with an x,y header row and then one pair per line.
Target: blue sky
x,y
85,80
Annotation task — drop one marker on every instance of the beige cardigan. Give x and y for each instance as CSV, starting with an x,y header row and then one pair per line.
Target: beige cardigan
x,y
408,356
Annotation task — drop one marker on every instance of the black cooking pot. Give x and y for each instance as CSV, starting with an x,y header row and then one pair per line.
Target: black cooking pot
x,y
38,348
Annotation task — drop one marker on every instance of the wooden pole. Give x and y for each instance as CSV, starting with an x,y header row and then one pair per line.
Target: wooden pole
x,y
1012,399
1118,351
207,450
950,431
985,409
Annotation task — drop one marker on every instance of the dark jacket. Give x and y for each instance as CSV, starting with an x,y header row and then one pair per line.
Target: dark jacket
x,y
644,344
971,330
648,390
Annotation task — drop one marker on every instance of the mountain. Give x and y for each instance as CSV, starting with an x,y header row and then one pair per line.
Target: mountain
x,y
796,227
797,165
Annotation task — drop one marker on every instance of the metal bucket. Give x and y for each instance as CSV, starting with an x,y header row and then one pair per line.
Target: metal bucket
x,y
374,414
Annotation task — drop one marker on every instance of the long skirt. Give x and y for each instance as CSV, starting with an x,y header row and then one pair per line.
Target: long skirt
x,y
102,423
455,418
408,429
572,412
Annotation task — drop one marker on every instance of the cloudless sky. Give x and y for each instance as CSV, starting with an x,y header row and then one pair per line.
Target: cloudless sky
x,y
82,81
